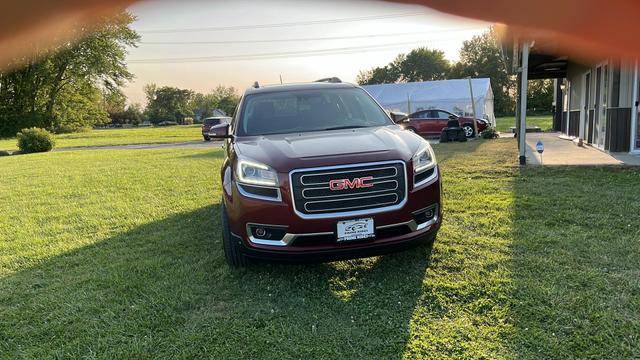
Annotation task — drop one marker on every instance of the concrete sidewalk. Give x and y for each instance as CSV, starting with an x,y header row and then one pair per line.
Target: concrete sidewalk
x,y
563,151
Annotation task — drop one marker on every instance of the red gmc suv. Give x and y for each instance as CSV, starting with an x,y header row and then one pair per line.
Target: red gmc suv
x,y
320,172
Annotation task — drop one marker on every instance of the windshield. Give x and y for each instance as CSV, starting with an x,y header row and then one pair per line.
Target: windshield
x,y
309,110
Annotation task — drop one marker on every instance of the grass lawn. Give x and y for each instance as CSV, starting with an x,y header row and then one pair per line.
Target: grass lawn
x,y
504,124
106,254
102,137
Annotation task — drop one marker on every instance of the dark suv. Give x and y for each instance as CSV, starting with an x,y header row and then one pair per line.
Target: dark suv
x,y
319,172
211,122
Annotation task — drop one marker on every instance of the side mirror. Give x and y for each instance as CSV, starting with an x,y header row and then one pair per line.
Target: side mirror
x,y
220,131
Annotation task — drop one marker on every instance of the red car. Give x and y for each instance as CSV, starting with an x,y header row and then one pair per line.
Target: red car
x,y
318,172
429,123
210,122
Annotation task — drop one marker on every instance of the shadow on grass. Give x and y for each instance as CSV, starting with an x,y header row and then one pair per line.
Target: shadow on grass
x,y
576,257
163,289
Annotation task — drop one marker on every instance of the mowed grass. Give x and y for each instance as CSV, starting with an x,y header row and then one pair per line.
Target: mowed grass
x,y
104,137
545,123
117,254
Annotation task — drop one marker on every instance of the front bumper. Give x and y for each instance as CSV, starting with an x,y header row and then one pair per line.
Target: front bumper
x,y
365,249
314,239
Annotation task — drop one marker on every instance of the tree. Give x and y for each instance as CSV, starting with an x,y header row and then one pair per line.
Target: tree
x,y
423,64
131,114
226,99
540,96
482,57
382,75
76,72
419,64
222,98
167,103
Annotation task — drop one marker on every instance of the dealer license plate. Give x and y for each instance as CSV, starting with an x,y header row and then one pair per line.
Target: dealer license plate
x,y
357,229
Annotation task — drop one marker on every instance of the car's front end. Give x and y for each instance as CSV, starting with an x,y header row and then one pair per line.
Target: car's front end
x,y
293,213
334,194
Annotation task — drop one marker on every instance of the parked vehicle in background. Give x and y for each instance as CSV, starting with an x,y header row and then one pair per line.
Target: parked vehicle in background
x,y
397,116
167,123
319,172
430,123
210,122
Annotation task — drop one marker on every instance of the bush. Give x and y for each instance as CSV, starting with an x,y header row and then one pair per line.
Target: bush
x,y
489,133
35,140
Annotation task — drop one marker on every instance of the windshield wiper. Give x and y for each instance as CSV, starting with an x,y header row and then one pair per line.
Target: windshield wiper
x,y
345,127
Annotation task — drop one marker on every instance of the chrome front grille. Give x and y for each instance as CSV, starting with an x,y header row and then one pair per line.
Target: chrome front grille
x,y
313,197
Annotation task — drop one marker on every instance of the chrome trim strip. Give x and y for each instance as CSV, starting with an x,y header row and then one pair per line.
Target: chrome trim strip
x,y
289,238
348,196
244,193
350,207
350,171
355,212
428,181
286,240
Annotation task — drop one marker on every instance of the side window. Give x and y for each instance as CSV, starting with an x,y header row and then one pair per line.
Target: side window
x,y
443,115
423,115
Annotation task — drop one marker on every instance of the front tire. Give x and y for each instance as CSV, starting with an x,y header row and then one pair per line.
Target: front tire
x,y
206,138
469,131
231,246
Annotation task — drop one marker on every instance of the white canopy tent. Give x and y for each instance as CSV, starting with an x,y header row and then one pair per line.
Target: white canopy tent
x,y
451,95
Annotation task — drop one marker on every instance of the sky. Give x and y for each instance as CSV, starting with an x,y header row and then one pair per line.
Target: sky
x,y
202,44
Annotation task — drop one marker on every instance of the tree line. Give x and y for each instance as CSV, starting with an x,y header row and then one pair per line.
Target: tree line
x,y
173,105
479,57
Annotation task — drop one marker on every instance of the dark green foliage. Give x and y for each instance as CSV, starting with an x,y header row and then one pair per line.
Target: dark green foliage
x,y
540,97
167,103
489,133
10,125
35,140
62,88
221,98
482,57
421,64
132,114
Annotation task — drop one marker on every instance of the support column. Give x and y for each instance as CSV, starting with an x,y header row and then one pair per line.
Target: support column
x,y
634,109
524,77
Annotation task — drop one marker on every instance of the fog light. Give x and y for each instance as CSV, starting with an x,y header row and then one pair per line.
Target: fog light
x,y
425,215
261,232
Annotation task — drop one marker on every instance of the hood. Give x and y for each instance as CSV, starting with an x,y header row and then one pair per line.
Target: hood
x,y
286,152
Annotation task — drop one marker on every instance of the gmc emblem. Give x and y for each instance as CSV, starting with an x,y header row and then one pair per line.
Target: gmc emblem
x,y
356,183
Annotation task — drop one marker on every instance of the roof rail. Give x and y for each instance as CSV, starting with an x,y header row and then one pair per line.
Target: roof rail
x,y
256,85
330,80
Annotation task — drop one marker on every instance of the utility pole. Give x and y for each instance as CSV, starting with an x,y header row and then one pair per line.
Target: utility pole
x,y
473,108
280,79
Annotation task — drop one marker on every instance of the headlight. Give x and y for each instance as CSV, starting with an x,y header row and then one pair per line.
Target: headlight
x,y
254,173
424,159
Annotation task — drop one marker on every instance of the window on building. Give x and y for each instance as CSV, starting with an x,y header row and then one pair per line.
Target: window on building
x,y
615,86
